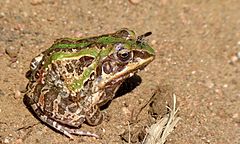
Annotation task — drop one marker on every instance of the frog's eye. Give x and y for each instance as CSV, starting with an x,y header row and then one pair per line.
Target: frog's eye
x,y
124,55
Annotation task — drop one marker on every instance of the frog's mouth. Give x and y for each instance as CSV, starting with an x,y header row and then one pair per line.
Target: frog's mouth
x,y
129,70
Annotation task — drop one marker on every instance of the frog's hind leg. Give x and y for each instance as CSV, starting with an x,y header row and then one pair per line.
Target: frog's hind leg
x,y
59,127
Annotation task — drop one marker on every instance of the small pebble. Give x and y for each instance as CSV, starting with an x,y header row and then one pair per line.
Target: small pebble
x,y
238,42
12,52
225,85
126,111
153,42
51,18
238,55
235,58
209,84
17,94
2,15
19,27
235,115
6,140
134,1
103,130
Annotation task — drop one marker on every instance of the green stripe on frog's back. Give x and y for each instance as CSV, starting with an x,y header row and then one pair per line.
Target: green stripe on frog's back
x,y
70,43
91,52
129,44
110,40
79,82
70,46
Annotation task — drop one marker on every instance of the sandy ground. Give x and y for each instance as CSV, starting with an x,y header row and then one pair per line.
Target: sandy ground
x,y
194,42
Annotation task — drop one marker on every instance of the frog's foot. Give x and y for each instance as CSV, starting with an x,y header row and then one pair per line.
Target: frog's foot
x,y
59,127
68,132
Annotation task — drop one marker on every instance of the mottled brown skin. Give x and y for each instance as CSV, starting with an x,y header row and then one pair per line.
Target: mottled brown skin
x,y
51,96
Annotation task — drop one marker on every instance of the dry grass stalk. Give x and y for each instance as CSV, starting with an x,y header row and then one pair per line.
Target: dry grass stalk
x,y
159,131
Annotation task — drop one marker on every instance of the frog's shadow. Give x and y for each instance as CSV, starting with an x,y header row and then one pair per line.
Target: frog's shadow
x,y
127,86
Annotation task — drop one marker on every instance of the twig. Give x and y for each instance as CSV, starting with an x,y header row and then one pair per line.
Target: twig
x,y
151,98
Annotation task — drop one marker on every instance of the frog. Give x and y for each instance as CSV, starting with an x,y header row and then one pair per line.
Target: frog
x,y
69,82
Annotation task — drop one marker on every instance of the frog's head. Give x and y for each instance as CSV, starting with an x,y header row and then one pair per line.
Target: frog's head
x,y
128,55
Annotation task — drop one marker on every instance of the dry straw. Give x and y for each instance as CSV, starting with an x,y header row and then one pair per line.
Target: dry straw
x,y
158,132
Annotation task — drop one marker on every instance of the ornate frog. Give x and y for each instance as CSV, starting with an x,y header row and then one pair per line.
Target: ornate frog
x,y
74,77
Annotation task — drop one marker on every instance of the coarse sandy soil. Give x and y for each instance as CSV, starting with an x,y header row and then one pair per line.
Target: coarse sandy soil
x,y
194,42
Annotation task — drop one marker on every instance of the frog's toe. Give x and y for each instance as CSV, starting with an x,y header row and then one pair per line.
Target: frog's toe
x,y
68,131
82,133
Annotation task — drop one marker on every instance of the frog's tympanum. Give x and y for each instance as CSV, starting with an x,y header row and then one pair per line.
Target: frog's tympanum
x,y
74,77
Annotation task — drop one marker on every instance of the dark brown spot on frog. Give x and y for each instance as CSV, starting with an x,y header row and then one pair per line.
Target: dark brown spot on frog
x,y
112,65
107,67
76,98
99,70
49,97
74,62
61,109
54,66
81,63
62,78
86,61
69,68
73,109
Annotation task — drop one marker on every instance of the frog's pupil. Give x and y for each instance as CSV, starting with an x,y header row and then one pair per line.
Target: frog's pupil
x,y
124,55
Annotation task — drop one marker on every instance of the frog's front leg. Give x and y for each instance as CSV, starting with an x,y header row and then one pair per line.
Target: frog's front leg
x,y
58,126
94,116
